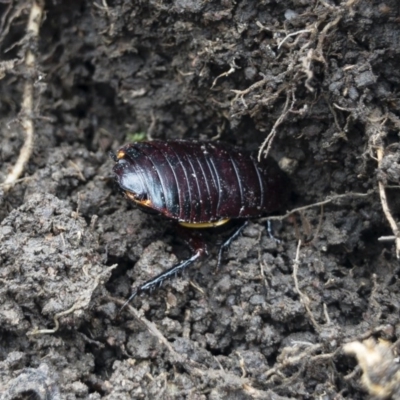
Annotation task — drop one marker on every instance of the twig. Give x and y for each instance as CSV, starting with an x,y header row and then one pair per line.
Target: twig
x,y
323,35
289,361
81,303
385,207
330,199
232,69
269,139
328,319
36,331
304,299
241,93
293,34
25,178
306,64
390,238
33,27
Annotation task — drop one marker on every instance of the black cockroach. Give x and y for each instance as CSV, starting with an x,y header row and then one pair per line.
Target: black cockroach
x,y
199,185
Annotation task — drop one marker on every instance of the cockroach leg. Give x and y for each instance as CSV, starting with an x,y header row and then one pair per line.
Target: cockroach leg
x,y
228,242
270,230
158,280
197,245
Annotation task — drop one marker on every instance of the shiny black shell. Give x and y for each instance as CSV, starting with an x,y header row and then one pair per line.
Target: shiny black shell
x,y
199,182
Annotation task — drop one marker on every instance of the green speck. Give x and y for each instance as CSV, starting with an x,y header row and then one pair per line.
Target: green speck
x,y
136,137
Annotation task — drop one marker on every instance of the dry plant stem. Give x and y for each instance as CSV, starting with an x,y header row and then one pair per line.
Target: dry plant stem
x,y
385,207
81,304
224,74
330,199
269,139
35,18
390,238
249,89
323,35
8,18
293,34
304,299
56,318
294,360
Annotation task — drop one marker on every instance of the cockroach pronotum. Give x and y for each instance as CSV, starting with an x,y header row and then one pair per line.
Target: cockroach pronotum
x,y
198,185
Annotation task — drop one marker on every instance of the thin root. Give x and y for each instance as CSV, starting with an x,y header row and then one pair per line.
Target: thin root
x,y
385,207
270,138
33,27
328,200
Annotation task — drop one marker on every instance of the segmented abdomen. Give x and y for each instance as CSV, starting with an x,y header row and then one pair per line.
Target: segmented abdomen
x,y
205,182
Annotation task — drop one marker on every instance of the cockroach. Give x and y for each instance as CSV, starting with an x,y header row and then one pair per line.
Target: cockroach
x,y
198,185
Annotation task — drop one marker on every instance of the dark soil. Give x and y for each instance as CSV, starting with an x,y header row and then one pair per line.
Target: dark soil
x,y
324,78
